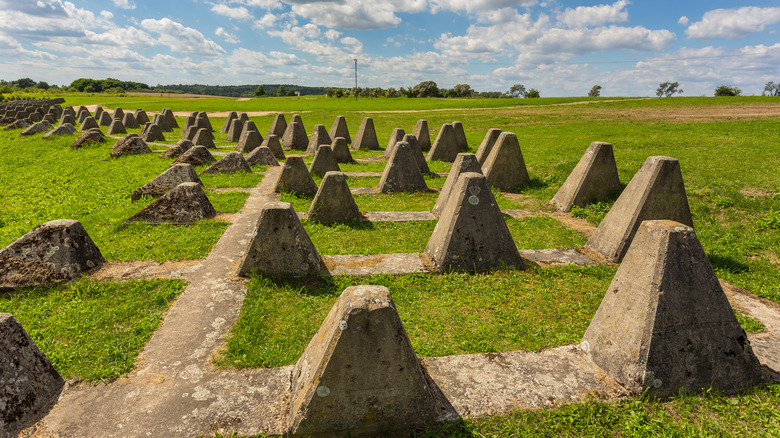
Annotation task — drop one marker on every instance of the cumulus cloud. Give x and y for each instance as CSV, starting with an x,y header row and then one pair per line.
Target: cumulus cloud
x,y
733,23
683,20
121,37
583,16
182,39
11,48
48,18
356,14
477,5
230,38
354,45
236,13
124,4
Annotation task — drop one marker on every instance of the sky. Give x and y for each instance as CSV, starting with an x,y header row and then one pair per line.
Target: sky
x,y
561,48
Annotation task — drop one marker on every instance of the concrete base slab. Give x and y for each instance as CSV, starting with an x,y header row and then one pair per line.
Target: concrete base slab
x,y
364,191
555,256
399,216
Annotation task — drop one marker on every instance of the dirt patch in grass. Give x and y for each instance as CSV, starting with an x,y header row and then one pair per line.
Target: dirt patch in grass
x,y
143,270
754,192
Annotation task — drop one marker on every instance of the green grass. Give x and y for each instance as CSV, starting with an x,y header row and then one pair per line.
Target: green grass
x,y
228,202
226,180
370,237
92,330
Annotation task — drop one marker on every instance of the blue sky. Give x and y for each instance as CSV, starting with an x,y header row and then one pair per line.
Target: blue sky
x,y
561,48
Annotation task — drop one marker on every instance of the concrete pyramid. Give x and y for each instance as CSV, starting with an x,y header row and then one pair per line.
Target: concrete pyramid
x,y
118,114
189,132
244,117
445,147
141,117
182,205
179,148
63,129
232,116
152,132
324,161
28,381
203,138
98,111
397,135
129,121
296,118
162,183
359,375
88,124
487,145
402,174
656,192
340,129
130,144
460,136
196,156
168,114
272,143
116,127
423,134
162,122
83,114
279,246
93,135
471,234
366,136
341,150
68,119
334,202
204,120
318,136
36,128
295,137
665,324
463,163
418,154
278,126
188,122
261,156
232,162
104,119
234,132
295,178
594,179
250,140
505,167
58,250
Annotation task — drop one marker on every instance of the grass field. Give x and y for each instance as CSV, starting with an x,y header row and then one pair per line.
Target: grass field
x,y
729,151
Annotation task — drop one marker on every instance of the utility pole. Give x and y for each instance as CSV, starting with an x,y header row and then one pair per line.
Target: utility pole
x,y
355,59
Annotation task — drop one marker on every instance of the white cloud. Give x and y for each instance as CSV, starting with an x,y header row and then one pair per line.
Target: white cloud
x,y
332,35
355,46
124,4
263,4
268,20
683,20
733,23
477,5
120,37
10,48
356,14
48,18
584,16
182,39
222,33
237,13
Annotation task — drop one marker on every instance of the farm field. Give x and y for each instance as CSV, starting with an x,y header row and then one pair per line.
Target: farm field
x,y
729,152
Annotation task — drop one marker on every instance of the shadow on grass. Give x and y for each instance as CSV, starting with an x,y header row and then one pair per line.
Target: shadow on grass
x,y
727,263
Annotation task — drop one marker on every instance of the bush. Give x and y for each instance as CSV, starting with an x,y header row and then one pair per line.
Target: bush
x,y
426,89
725,90
532,93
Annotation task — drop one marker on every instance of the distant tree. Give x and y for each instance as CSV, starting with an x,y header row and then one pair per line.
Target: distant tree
x,y
532,93
463,90
281,91
771,89
24,83
426,89
392,92
260,91
667,89
339,93
595,91
725,90
517,90
42,85
292,92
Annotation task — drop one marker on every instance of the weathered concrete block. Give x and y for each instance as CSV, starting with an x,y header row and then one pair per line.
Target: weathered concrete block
x,y
67,119
505,168
445,147
278,127
202,120
104,119
226,127
422,134
359,374
261,156
295,178
129,145
196,156
657,191
250,139
179,148
162,183
58,250
272,143
37,128
463,163
88,123
152,132
98,111
129,121
204,138
471,234
418,154
402,174
318,136
397,135
487,145
460,136
116,127
341,150
595,178
162,122
182,205
324,161
665,324
295,137
234,132
168,114
118,113
28,381
334,201
340,129
141,117
64,129
91,136
231,162
365,138
279,246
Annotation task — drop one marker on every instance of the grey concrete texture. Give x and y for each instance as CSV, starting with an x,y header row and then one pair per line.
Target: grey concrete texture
x,y
271,141
417,153
234,132
118,113
184,204
67,119
162,122
505,167
231,162
279,246
250,140
423,134
341,150
334,201
37,128
203,138
88,123
365,138
62,129
324,161
261,156
226,126
152,133
179,148
340,129
655,192
203,118
665,324
295,137
318,136
131,144
401,173
116,127
168,114
162,183
28,382
130,122
141,117
295,178
244,117
58,250
196,156
471,234
104,119
396,136
445,147
594,178
359,374
91,136
98,111
483,151
460,136
278,127
463,163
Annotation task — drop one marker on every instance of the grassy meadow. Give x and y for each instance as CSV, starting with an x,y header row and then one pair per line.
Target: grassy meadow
x,y
729,152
